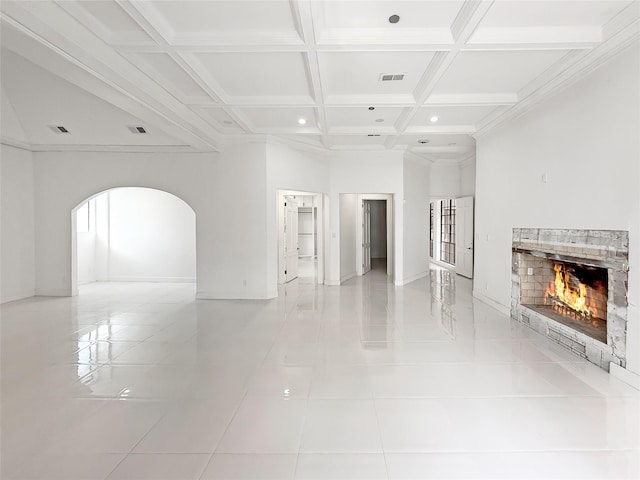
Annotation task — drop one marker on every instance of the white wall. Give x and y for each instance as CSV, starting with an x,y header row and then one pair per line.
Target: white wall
x,y
86,245
289,169
17,224
365,172
12,129
224,238
348,205
444,180
416,220
151,237
378,228
468,178
586,140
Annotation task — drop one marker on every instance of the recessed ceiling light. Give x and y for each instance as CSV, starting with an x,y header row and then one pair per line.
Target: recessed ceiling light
x,y
372,108
302,121
433,119
394,19
422,142
379,120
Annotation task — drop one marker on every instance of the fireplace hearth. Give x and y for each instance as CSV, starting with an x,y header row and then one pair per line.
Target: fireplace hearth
x,y
571,285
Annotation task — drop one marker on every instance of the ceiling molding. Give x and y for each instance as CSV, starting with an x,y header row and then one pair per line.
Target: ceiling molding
x,y
586,64
100,61
440,129
304,20
12,142
472,99
190,97
113,148
583,35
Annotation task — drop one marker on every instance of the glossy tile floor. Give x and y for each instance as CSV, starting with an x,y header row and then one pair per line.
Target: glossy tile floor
x,y
363,381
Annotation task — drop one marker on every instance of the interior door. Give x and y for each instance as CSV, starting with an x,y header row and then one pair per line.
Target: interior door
x,y
366,236
290,240
464,236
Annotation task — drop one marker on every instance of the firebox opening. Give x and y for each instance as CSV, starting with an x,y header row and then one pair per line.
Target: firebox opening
x,y
572,294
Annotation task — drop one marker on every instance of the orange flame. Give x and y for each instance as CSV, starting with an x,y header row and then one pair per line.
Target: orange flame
x,y
562,290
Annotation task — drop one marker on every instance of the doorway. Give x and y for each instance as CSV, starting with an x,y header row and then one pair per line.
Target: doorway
x,y
133,234
300,236
374,233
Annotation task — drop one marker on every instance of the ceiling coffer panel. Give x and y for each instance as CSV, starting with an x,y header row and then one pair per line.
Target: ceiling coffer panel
x,y
250,74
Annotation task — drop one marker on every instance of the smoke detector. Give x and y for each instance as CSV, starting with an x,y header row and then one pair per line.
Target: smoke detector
x,y
391,77
137,129
58,129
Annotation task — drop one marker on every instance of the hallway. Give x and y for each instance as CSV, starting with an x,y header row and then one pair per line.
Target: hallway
x,y
366,380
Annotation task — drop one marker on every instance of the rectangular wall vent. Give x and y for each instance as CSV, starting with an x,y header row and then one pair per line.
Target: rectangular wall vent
x,y
137,129
58,129
391,77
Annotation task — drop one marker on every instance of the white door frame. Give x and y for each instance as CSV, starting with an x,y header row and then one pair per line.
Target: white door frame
x,y
320,202
464,236
388,197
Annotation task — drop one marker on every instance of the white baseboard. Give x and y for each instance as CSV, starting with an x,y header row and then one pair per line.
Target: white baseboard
x,y
18,296
153,279
625,375
54,293
412,278
492,303
331,282
347,277
236,295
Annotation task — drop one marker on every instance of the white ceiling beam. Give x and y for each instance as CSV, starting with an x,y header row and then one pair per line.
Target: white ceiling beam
x,y
469,17
471,99
52,27
627,32
304,20
584,34
440,129
26,44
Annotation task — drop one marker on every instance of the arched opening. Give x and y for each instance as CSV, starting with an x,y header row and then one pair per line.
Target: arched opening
x,y
133,234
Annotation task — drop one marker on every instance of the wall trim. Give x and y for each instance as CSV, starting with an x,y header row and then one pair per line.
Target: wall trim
x,y
492,303
412,278
18,296
150,279
624,375
54,293
12,142
236,295
347,277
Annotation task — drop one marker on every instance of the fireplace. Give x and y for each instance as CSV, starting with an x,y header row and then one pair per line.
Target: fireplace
x,y
571,285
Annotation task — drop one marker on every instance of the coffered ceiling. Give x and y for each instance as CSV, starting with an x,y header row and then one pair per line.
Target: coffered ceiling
x,y
198,74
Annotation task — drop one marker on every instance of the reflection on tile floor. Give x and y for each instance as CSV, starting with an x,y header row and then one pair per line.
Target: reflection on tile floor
x,y
363,381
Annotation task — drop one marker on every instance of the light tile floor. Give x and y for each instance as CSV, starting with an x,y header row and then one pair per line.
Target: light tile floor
x,y
363,381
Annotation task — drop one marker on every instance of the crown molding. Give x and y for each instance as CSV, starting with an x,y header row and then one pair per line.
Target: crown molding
x,y
585,65
117,148
15,143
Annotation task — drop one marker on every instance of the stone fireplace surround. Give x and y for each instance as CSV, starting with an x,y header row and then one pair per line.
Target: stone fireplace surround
x,y
601,248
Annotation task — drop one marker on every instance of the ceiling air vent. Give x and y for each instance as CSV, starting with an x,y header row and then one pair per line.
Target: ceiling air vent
x,y
58,129
373,135
137,129
391,77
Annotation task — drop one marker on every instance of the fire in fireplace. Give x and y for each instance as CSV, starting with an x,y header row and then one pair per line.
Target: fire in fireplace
x,y
578,291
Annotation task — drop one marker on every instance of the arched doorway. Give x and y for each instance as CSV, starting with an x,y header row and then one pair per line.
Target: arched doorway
x,y
133,234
